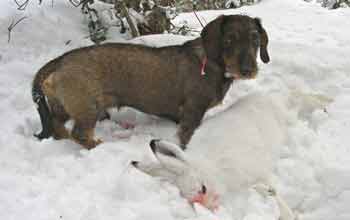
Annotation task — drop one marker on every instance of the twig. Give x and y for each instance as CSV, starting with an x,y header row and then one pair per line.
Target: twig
x,y
122,29
82,2
198,18
205,21
22,6
12,25
125,12
75,4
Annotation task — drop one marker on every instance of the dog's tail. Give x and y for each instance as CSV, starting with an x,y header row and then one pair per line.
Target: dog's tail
x,y
40,99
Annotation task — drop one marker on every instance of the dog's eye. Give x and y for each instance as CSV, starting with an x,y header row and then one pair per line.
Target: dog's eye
x,y
228,41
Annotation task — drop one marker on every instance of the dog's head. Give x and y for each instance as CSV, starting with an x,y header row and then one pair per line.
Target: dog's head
x,y
175,167
235,41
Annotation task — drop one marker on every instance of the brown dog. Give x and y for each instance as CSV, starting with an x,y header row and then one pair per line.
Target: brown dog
x,y
167,81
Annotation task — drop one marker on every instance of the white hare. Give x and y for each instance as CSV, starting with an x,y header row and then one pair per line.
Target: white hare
x,y
231,151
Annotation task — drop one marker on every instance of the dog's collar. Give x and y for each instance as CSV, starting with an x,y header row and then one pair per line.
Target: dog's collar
x,y
203,65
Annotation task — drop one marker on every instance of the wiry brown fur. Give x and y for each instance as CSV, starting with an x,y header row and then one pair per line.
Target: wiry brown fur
x,y
166,82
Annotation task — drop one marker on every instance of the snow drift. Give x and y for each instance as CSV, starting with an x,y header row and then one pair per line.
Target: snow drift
x,y
57,179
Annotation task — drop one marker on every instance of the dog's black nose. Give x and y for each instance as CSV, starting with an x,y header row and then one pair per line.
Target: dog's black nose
x,y
246,65
152,144
134,163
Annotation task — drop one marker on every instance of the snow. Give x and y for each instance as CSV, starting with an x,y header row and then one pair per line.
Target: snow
x,y
309,48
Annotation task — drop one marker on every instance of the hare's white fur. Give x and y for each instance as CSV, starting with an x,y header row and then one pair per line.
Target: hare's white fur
x,y
231,151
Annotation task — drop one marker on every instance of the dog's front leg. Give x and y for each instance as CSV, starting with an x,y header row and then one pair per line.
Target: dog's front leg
x,y
193,113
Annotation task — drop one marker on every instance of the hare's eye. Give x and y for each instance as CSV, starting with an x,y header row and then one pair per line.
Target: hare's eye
x,y
204,189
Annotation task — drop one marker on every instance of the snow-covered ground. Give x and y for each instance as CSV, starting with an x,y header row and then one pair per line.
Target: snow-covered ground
x,y
310,55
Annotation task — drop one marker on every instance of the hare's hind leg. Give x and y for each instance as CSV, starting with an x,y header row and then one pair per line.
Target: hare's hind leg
x,y
267,190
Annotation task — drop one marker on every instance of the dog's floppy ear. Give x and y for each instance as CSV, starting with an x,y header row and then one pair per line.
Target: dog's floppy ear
x,y
212,37
264,40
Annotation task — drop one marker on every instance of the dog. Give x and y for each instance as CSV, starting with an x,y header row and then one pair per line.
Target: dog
x,y
239,154
179,82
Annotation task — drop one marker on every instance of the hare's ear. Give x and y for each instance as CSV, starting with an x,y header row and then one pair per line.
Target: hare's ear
x,y
165,148
172,161
170,156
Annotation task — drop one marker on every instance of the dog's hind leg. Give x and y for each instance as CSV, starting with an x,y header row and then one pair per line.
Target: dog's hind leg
x,y
83,132
59,130
104,115
84,128
59,118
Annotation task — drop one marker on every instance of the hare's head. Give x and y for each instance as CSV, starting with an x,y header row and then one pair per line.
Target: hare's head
x,y
174,166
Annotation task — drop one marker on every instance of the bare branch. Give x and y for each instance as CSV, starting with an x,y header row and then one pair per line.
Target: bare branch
x,y
80,2
12,25
132,23
22,6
